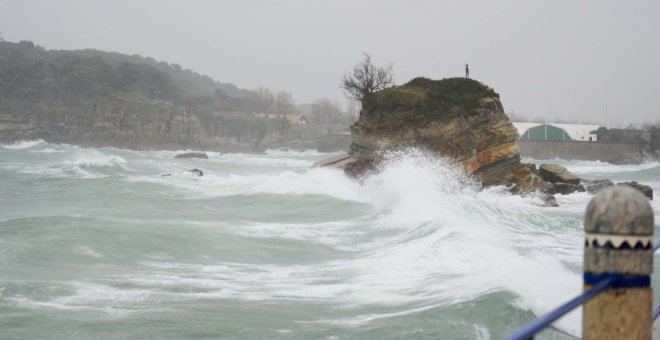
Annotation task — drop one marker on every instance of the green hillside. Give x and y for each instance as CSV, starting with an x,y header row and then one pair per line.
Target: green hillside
x,y
30,75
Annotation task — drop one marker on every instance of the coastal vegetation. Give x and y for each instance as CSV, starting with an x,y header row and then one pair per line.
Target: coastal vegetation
x,y
366,78
66,96
450,96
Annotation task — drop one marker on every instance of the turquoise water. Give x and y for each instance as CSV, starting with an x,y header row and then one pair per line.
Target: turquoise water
x,y
96,244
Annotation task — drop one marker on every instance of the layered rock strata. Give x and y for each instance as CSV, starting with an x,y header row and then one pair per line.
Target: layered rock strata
x,y
457,117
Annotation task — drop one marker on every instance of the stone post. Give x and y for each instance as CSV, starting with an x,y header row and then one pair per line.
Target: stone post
x,y
619,243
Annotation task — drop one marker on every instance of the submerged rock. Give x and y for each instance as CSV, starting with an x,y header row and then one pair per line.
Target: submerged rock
x,y
549,188
567,188
644,189
596,185
197,172
458,117
192,155
554,173
550,201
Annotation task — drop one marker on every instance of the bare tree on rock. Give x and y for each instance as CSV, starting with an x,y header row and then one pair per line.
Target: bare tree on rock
x,y
366,78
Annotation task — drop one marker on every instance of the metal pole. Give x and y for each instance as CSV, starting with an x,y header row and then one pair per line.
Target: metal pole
x,y
619,244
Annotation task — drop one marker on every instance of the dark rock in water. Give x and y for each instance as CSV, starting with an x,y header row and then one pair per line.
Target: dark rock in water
x,y
596,185
458,118
549,188
568,188
334,162
197,172
192,155
644,189
554,173
165,175
551,201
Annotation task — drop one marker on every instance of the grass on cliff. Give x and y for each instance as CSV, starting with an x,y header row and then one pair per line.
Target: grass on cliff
x,y
137,104
447,96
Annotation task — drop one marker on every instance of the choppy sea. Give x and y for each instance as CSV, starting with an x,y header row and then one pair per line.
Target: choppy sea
x,y
96,244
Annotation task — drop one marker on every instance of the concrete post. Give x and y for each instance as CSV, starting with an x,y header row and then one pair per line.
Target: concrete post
x,y
619,243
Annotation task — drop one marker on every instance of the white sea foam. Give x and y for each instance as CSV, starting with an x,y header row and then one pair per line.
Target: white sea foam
x,y
93,157
453,244
87,251
481,332
322,181
49,150
265,161
595,169
23,144
340,235
427,239
95,296
61,171
65,305
280,153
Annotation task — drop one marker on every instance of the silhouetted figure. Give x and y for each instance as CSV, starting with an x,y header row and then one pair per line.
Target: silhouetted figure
x,y
467,71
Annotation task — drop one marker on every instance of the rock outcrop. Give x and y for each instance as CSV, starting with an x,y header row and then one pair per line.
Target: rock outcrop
x,y
458,117
558,180
554,173
597,185
567,188
197,172
644,189
131,121
200,155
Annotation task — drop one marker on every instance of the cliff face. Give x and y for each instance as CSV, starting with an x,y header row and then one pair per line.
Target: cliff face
x,y
132,121
458,117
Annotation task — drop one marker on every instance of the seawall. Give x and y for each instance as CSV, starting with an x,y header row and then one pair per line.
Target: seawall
x,y
618,153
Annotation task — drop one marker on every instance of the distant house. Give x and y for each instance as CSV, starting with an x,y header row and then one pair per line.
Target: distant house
x,y
298,120
556,132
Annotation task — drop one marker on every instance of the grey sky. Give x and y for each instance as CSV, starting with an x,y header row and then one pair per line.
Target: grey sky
x,y
568,59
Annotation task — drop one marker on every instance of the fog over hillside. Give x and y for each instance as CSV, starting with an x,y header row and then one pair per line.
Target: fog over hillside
x,y
585,61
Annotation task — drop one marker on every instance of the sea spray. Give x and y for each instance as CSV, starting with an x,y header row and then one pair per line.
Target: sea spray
x,y
20,145
265,246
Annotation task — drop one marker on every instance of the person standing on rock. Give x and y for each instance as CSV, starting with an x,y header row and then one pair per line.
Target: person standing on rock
x,y
467,71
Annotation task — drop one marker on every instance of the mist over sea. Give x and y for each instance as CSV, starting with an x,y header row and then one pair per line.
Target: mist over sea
x,y
97,244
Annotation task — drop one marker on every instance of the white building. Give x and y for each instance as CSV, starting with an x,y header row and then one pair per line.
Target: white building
x,y
556,132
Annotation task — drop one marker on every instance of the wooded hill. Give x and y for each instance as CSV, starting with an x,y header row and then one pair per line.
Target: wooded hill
x,y
101,98
30,74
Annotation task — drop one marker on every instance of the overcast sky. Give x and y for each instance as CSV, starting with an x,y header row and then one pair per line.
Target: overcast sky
x,y
574,60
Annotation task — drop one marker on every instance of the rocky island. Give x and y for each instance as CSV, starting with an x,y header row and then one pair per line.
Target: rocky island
x,y
459,118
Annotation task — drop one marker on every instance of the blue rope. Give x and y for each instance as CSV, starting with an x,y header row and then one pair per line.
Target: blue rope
x,y
537,325
656,245
656,312
528,331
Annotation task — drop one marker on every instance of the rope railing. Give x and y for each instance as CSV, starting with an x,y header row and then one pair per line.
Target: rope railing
x,y
539,324
529,330
656,311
